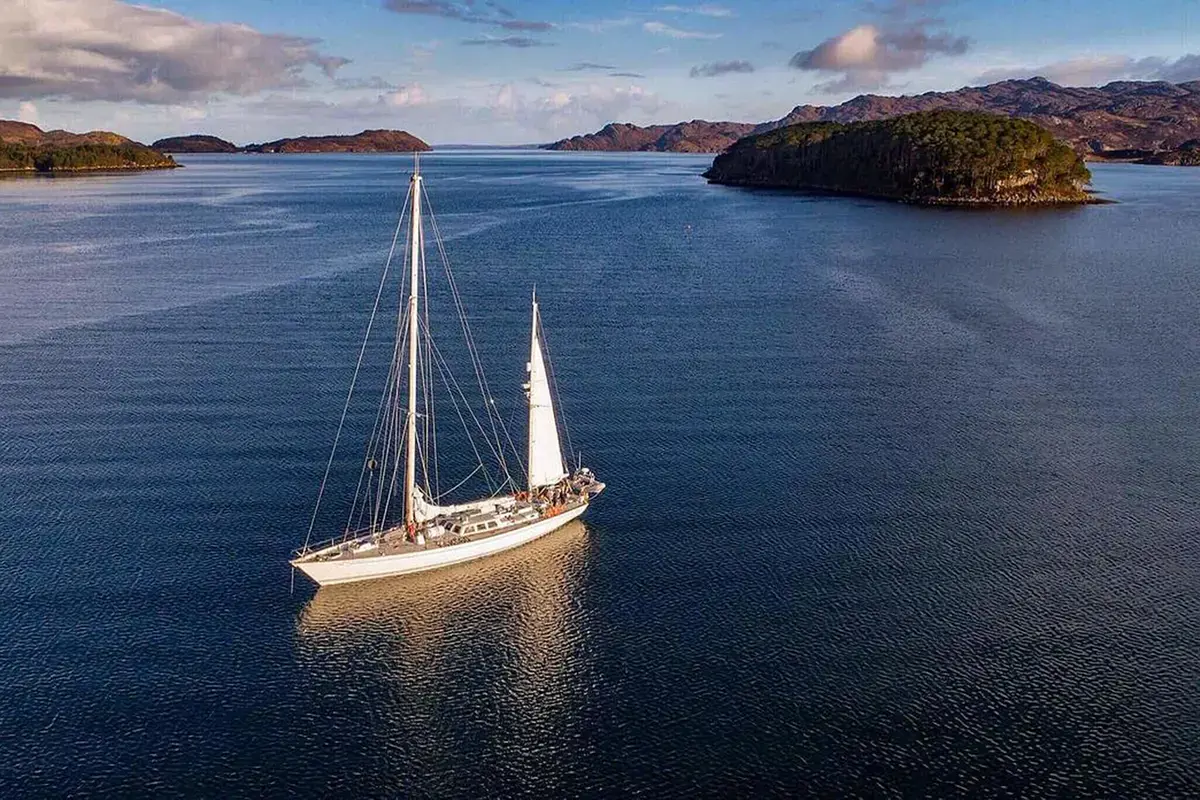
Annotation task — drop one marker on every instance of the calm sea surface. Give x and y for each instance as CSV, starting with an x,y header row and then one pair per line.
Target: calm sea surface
x,y
902,501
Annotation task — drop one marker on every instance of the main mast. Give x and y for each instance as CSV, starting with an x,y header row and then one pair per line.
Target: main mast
x,y
410,467
534,355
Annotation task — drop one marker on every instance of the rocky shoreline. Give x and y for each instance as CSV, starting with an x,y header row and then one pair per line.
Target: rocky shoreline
x,y
8,172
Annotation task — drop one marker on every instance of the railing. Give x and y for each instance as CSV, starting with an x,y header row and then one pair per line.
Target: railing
x,y
345,538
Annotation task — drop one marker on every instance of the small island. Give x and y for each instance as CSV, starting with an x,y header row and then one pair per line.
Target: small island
x,y
1186,155
26,148
196,143
932,158
369,141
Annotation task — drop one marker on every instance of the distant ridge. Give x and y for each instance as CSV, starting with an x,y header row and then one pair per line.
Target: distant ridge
x,y
697,136
1146,116
13,132
368,141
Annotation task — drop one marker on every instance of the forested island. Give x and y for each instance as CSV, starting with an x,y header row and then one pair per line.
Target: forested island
x,y
26,148
932,157
368,141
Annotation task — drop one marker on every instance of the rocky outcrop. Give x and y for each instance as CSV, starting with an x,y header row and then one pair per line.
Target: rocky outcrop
x,y
934,157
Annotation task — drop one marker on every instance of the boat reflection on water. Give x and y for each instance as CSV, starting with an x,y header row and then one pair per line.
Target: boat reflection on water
x,y
421,659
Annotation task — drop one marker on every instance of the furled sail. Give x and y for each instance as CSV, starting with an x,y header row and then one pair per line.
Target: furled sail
x,y
425,509
545,453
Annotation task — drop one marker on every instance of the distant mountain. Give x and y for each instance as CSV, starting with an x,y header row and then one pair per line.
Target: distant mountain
x,y
196,143
1148,116
1124,115
697,136
27,148
375,141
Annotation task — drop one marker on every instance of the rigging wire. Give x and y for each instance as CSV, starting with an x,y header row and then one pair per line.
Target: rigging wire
x,y
392,442
354,379
463,482
453,386
389,447
427,385
476,362
372,443
562,412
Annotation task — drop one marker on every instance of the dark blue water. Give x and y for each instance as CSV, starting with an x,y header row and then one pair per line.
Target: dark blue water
x,y
902,501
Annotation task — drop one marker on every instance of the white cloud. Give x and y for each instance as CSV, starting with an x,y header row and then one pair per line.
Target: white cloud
x,y
406,96
497,112
572,109
602,25
485,13
505,98
1092,70
662,29
705,10
191,113
717,68
867,54
113,50
520,42
28,112
421,55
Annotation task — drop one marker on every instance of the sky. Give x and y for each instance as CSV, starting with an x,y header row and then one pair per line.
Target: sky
x,y
531,71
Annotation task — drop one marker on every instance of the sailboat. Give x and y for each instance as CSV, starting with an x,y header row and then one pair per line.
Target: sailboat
x,y
432,531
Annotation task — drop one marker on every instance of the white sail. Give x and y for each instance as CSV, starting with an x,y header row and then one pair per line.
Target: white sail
x,y
545,453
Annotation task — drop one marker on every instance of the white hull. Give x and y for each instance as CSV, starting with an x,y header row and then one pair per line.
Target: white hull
x,y
331,572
